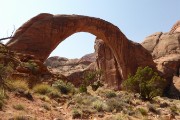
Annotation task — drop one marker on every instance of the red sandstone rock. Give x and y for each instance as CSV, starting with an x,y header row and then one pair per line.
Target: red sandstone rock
x,y
107,63
41,34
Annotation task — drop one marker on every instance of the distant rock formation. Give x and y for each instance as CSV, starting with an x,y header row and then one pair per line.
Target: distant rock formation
x,y
41,34
72,69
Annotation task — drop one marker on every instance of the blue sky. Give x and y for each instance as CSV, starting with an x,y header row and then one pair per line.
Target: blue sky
x,y
135,18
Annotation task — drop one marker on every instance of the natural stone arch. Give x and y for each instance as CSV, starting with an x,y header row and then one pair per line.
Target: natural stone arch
x,y
41,34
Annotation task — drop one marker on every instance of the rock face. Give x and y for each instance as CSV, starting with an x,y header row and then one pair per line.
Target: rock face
x,y
106,62
41,34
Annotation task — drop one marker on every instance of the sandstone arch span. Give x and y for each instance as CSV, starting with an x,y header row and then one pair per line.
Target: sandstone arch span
x,y
41,34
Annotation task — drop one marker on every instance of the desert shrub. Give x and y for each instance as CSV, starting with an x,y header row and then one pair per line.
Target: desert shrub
x,y
18,107
99,105
64,87
118,117
89,78
174,109
76,114
44,98
84,99
23,117
2,97
54,93
110,94
83,89
14,85
42,89
46,106
32,66
96,85
146,82
1,105
152,108
142,111
115,104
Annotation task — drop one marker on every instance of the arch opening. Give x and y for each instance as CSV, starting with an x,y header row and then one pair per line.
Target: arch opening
x,y
75,46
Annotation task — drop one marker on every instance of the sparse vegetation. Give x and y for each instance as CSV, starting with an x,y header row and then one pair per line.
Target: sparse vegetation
x,y
64,87
142,111
110,94
2,97
19,107
44,98
99,105
152,108
46,106
174,109
91,78
118,117
15,85
76,114
115,104
96,85
23,117
146,82
83,89
42,89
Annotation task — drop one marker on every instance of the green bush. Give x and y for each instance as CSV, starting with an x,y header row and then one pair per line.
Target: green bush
x,y
32,66
110,94
146,82
64,87
91,78
96,85
143,111
83,89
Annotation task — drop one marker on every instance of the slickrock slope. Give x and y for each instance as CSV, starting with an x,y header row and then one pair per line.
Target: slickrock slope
x,y
41,34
